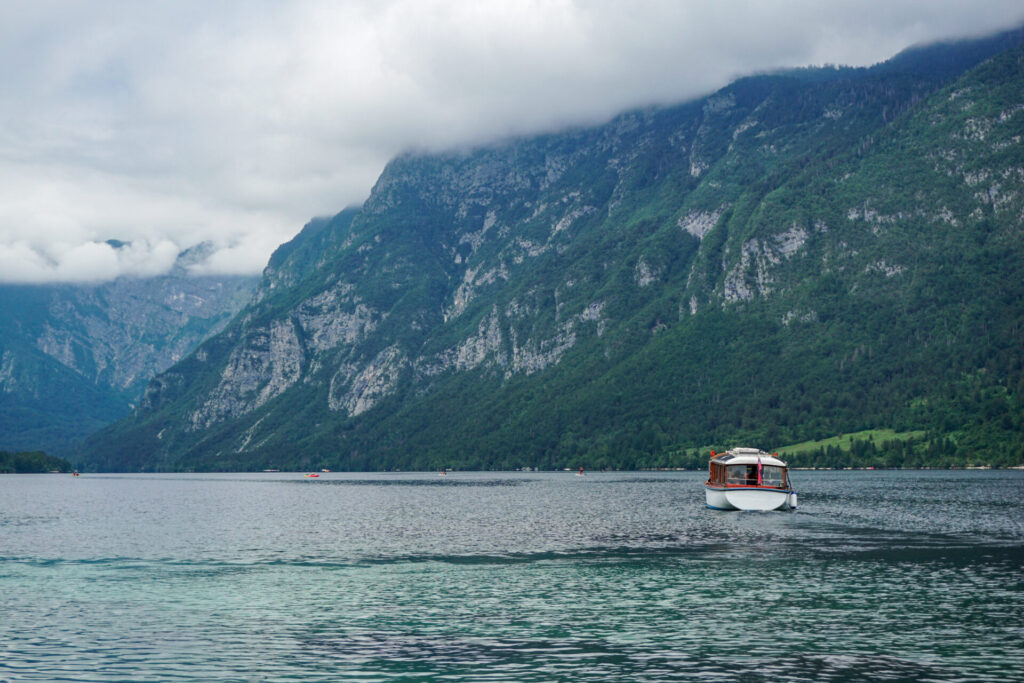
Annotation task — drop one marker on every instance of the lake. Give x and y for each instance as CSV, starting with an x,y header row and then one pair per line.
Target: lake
x,y
880,575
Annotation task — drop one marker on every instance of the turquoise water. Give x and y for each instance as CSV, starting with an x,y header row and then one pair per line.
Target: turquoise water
x,y
509,577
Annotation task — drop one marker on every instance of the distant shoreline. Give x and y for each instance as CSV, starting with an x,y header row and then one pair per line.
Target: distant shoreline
x,y
558,471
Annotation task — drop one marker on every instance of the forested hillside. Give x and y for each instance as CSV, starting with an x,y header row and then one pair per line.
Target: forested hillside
x,y
34,462
795,256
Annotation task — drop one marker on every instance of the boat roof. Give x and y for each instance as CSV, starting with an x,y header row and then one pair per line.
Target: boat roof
x,y
747,456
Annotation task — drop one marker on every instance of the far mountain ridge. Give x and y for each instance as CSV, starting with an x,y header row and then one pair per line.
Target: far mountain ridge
x,y
794,256
75,357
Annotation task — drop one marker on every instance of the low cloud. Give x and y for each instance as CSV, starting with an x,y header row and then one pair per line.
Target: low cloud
x,y
168,124
84,261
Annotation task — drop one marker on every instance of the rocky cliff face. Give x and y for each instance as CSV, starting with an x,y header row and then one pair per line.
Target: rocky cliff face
x,y
472,285
123,333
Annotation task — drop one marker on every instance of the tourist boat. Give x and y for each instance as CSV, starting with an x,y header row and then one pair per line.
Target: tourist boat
x,y
748,479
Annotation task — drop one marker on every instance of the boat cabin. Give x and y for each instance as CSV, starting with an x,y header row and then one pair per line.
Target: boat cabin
x,y
747,467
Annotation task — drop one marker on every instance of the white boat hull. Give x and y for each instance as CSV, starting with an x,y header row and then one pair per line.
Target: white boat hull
x,y
749,498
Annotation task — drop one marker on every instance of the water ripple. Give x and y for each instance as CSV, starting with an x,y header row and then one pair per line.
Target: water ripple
x,y
611,577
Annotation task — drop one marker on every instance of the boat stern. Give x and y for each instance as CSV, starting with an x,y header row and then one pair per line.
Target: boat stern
x,y
716,500
757,499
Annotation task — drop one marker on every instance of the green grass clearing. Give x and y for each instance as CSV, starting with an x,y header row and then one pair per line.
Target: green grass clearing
x,y
845,441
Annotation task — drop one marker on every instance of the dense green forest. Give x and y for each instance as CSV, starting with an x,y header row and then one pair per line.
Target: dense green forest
x,y
31,462
798,256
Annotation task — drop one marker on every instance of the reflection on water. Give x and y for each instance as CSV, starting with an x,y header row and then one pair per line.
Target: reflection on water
x,y
517,577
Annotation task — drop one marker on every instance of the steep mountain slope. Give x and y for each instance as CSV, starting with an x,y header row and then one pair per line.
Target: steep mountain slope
x,y
74,358
796,255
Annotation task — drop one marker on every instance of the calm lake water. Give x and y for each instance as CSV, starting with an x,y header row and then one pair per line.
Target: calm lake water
x,y
915,576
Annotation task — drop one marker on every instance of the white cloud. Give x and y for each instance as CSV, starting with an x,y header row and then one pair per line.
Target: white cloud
x,y
171,123
84,261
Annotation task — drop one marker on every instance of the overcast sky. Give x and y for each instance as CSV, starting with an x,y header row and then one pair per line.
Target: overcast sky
x,y
169,123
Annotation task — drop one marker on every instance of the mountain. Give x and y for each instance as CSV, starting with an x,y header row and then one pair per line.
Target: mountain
x,y
74,358
797,255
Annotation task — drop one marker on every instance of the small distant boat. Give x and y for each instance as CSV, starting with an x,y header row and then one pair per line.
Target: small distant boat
x,y
748,479
312,475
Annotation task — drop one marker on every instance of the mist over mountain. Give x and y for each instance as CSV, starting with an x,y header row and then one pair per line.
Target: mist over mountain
x,y
797,255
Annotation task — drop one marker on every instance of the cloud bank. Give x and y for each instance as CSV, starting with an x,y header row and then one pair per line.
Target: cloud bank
x,y
169,123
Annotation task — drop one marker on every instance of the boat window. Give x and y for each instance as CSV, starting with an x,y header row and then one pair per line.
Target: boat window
x,y
773,476
743,475
746,475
